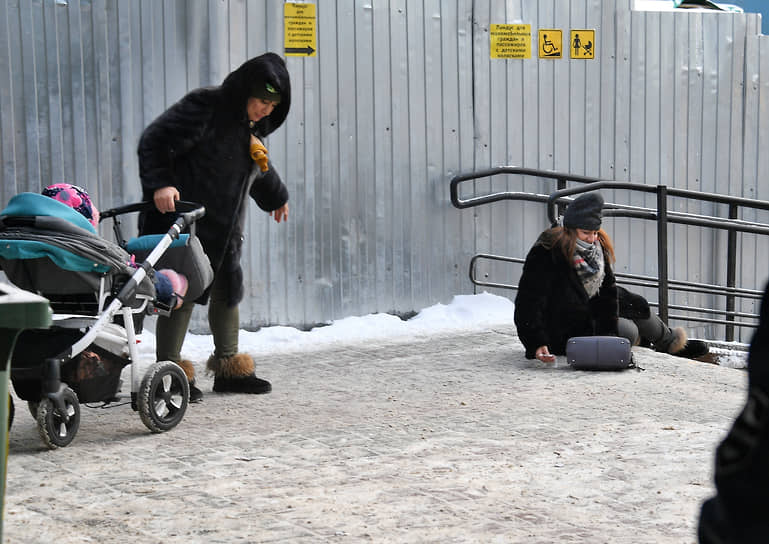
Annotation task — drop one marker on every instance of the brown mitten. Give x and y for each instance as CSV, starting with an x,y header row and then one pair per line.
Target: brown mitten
x,y
259,153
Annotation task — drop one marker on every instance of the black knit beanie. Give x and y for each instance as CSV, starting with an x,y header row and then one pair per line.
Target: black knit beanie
x,y
584,213
264,89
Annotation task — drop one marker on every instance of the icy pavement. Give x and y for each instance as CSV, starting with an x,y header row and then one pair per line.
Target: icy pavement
x,y
437,438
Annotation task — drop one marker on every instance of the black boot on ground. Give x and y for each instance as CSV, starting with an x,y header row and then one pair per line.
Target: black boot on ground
x,y
242,384
235,374
196,395
693,349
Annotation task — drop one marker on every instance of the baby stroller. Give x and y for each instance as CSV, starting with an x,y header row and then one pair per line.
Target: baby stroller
x,y
99,297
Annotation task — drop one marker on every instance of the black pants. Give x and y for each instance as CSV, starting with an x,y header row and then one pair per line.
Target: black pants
x,y
738,512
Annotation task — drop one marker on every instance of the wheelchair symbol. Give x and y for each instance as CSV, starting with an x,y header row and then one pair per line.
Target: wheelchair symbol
x,y
548,48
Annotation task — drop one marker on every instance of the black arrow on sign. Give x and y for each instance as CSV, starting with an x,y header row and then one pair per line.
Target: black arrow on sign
x,y
306,50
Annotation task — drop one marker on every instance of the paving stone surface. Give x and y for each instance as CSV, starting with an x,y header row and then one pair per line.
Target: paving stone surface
x,y
443,439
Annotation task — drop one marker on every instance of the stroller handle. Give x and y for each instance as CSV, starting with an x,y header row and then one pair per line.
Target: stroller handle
x,y
188,214
191,210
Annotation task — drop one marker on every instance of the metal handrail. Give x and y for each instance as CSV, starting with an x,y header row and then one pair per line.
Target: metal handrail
x,y
642,281
461,203
661,215
673,192
636,280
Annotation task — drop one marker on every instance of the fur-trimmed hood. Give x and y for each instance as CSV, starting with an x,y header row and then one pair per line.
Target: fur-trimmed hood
x,y
241,84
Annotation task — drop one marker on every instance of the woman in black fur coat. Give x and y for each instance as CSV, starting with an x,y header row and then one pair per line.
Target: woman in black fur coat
x,y
737,514
568,289
207,148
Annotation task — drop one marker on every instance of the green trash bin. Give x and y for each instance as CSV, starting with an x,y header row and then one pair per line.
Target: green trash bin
x,y
19,310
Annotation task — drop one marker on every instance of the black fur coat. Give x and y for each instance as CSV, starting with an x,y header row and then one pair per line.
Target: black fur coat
x,y
758,361
552,305
200,145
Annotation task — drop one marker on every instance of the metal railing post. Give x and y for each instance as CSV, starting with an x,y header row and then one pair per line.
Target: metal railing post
x,y
731,271
662,251
561,186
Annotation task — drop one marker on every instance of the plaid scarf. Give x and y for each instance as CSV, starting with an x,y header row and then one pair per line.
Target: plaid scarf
x,y
588,263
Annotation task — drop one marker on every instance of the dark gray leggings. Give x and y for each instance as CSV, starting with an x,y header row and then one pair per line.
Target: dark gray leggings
x,y
223,320
652,328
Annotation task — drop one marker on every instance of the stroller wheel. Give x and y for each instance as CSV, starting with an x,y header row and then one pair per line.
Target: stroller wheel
x,y
57,429
163,396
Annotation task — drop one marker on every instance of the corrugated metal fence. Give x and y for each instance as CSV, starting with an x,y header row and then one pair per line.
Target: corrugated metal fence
x,y
400,97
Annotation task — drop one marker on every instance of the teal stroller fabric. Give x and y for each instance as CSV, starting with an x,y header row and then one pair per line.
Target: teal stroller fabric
x,y
34,226
47,247
33,204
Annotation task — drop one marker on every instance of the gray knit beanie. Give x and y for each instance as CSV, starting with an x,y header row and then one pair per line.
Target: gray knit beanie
x,y
584,213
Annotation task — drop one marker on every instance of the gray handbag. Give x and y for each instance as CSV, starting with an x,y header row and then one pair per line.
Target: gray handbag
x,y
185,255
599,353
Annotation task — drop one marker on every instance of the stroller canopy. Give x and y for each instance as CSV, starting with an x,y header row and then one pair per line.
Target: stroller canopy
x,y
34,226
35,205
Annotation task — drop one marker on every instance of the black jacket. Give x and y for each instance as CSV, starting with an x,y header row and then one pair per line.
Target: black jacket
x,y
200,145
758,360
552,305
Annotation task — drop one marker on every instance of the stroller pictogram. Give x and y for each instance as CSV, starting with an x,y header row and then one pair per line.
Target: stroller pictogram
x,y
582,44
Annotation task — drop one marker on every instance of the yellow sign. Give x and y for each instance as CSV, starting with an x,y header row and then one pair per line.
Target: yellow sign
x,y
582,44
510,41
299,29
550,43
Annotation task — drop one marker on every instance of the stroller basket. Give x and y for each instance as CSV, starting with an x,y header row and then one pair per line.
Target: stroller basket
x,y
94,374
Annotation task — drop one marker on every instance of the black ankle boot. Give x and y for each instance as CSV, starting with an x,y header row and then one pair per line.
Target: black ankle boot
x,y
241,384
693,349
196,395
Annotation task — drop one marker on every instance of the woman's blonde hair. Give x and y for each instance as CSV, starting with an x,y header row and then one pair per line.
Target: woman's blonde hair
x,y
566,239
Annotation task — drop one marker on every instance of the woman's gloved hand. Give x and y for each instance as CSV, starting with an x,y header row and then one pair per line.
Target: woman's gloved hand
x,y
259,153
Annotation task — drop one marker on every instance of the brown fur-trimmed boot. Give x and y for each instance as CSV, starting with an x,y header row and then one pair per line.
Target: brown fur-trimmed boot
x,y
196,395
679,340
235,374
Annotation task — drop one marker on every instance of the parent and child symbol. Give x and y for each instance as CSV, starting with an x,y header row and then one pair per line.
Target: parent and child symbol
x,y
580,49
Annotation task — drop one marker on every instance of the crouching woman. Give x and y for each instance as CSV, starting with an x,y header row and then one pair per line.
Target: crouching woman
x,y
568,289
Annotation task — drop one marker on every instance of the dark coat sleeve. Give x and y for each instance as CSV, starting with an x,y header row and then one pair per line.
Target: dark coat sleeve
x,y
170,137
604,307
268,190
632,305
532,300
